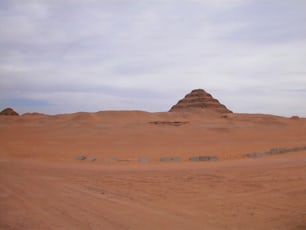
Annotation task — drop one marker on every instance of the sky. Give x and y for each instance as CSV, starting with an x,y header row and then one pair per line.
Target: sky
x,y
64,56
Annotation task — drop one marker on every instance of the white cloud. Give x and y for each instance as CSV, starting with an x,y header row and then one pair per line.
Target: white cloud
x,y
116,53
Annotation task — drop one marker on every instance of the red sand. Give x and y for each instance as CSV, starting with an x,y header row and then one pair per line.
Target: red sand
x,y
44,187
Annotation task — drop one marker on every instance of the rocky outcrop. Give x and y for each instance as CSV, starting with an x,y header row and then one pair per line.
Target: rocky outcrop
x,y
171,123
170,159
80,158
203,158
8,112
199,99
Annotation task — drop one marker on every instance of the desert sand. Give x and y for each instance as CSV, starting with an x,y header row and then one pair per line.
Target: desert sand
x,y
44,186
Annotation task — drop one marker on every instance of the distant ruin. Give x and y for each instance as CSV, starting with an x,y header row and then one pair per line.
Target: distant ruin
x,y
8,112
199,99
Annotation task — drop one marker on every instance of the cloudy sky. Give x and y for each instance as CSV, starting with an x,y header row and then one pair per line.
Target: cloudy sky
x,y
59,56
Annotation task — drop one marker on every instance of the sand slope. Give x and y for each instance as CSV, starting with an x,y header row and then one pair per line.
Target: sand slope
x,y
44,187
131,134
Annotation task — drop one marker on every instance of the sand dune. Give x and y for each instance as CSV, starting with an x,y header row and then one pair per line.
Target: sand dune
x,y
43,186
137,133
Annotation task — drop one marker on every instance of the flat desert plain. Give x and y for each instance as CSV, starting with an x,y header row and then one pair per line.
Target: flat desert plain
x,y
44,185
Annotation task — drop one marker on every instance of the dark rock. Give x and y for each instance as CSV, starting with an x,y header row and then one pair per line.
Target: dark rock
x,y
203,158
273,151
93,159
143,159
208,158
113,159
296,149
127,160
171,123
276,151
255,155
170,159
80,158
